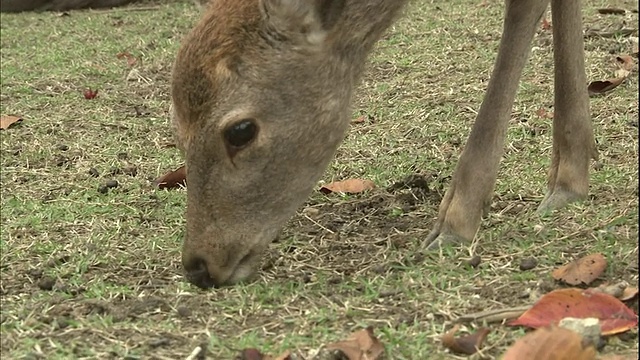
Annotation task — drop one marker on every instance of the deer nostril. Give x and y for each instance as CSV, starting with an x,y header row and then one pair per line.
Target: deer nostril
x,y
197,274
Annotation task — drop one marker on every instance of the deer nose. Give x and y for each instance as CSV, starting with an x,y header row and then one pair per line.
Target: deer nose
x,y
197,273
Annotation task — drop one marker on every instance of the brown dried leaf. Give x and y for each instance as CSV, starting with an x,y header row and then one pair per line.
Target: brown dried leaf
x,y
173,179
543,113
250,354
359,119
8,120
581,271
625,62
467,344
601,87
615,290
350,186
131,60
553,343
629,293
361,345
546,25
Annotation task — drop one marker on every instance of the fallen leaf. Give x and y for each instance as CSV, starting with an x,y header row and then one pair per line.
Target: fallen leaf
x,y
359,119
90,94
621,290
543,113
615,290
629,293
173,179
131,60
550,343
625,62
7,120
581,271
546,25
350,186
601,87
467,344
361,345
615,317
250,354
611,11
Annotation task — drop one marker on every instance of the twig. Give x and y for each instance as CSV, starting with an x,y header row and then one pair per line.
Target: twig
x,y
494,315
609,34
124,9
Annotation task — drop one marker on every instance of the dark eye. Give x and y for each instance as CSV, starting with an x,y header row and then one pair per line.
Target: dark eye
x,y
241,133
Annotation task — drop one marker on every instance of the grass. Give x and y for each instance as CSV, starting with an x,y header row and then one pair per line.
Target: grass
x,y
112,260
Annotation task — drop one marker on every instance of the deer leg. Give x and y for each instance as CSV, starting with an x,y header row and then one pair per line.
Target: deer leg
x,y
473,181
573,142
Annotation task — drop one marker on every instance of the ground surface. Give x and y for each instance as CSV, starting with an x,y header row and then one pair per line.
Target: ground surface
x,y
87,274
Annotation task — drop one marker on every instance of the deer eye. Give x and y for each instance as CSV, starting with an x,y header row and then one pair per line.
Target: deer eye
x,y
240,134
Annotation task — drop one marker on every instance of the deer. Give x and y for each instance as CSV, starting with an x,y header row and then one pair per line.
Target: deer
x,y
261,93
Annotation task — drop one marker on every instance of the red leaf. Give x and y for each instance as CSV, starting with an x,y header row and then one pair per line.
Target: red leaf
x,y
90,94
173,179
615,317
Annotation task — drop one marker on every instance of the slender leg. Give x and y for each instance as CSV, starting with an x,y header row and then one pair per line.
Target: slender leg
x,y
573,142
474,179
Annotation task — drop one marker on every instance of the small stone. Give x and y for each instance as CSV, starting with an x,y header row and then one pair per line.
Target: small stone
x,y
62,147
183,311
111,184
589,328
61,161
597,165
528,263
474,261
35,273
103,189
46,283
306,278
130,170
154,343
94,172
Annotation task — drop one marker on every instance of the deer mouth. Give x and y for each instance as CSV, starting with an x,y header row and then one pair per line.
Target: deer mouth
x,y
198,273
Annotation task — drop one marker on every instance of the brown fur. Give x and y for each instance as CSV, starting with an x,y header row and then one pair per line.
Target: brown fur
x,y
291,66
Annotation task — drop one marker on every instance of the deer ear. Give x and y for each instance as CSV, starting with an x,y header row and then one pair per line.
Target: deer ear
x,y
302,21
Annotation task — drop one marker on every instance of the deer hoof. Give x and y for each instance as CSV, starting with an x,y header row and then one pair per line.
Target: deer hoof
x,y
439,240
557,199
